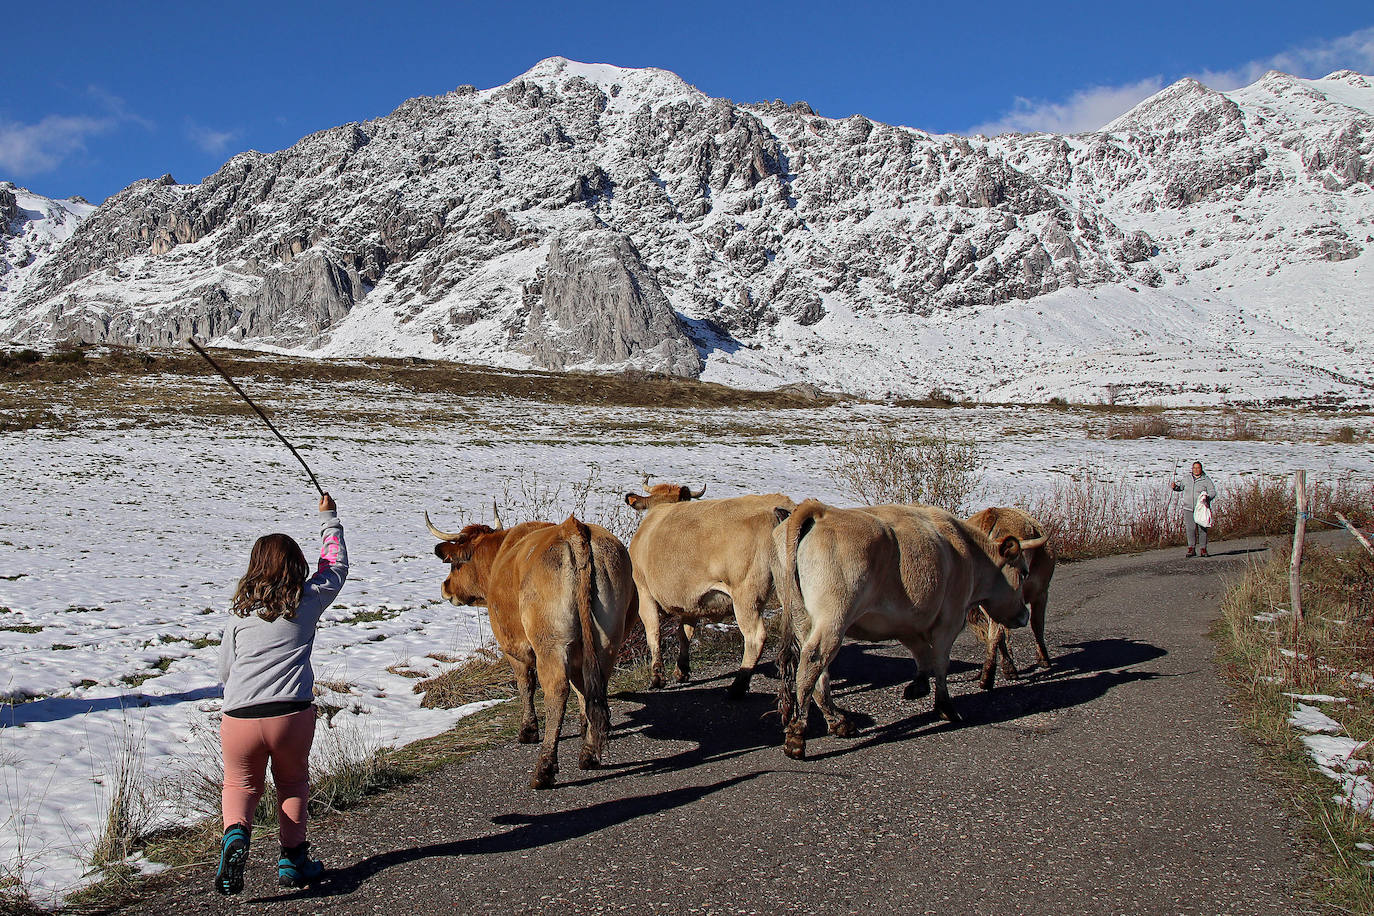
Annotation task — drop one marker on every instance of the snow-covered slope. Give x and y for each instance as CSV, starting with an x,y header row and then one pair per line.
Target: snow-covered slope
x,y
31,226
1204,246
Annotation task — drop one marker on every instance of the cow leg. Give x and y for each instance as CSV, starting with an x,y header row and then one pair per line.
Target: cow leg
x,y
934,662
553,675
651,616
817,653
683,671
836,720
920,684
1037,622
524,684
1008,664
749,615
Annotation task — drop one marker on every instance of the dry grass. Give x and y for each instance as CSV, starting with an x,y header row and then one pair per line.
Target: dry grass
x,y
1264,659
880,467
453,380
484,676
1088,516
1229,425
127,813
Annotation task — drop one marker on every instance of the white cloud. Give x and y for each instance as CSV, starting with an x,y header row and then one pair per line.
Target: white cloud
x,y
27,149
1089,109
212,141
1086,109
1348,52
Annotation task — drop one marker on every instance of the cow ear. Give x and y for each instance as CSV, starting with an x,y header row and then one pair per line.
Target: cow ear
x,y
684,494
636,502
781,515
1009,547
446,551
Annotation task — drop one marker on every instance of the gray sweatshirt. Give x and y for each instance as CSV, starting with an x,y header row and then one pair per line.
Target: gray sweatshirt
x,y
1191,487
268,662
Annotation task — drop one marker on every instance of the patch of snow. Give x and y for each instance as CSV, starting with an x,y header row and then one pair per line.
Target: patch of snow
x,y
1312,719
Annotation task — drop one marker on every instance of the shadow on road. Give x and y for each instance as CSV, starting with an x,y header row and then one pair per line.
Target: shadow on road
x,y
1081,676
54,709
528,831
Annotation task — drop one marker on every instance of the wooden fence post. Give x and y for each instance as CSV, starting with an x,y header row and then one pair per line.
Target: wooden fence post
x,y
1299,535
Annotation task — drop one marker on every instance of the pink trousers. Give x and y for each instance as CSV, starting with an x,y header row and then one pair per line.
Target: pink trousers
x,y
247,744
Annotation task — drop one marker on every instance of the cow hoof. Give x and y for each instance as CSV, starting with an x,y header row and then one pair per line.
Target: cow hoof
x,y
590,760
794,749
682,675
843,728
917,689
987,682
544,775
529,734
948,713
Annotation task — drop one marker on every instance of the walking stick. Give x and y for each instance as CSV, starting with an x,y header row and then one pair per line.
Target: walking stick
x,y
258,410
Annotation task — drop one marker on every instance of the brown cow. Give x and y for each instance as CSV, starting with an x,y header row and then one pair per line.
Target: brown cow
x,y
1031,573
558,597
697,561
908,573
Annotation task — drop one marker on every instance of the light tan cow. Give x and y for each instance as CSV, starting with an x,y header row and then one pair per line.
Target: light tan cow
x,y
1031,573
559,597
908,573
697,560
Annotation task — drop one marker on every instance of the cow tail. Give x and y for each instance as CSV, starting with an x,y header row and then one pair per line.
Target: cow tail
x,y
593,678
790,596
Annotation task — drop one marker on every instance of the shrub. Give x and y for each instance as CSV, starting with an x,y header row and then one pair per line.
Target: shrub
x,y
1092,515
1138,428
881,467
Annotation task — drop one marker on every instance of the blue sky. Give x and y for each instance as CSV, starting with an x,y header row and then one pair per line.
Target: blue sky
x,y
96,95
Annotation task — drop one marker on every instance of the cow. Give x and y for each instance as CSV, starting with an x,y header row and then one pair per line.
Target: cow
x,y
699,559
559,598
1031,573
908,573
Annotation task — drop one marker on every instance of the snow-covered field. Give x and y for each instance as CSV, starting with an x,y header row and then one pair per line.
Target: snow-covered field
x,y
123,534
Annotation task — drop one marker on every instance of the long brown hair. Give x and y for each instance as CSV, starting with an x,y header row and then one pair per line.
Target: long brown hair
x,y
276,574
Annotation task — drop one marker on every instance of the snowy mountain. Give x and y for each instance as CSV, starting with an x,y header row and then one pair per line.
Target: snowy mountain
x,y
1202,247
31,226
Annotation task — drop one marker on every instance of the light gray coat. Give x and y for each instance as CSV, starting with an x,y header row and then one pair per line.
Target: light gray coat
x,y
268,662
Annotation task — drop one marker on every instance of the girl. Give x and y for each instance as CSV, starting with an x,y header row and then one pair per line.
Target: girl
x,y
268,692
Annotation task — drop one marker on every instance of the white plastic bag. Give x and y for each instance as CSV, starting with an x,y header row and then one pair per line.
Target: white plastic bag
x,y
1202,514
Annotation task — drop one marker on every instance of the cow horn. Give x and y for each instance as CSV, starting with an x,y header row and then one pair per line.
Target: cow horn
x,y
496,513
441,535
645,478
1035,542
698,494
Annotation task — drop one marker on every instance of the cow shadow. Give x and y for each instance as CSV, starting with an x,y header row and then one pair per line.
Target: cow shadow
x,y
527,831
712,727
1087,673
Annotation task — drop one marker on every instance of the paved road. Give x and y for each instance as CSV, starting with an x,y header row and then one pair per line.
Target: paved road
x,y
1118,783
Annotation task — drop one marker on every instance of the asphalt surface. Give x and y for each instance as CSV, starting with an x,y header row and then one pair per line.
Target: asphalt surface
x,y
1118,782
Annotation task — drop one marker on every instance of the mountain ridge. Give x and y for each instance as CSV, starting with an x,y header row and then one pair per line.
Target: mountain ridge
x,y
1175,255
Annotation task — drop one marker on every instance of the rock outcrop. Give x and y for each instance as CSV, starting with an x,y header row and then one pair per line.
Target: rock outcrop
x,y
598,303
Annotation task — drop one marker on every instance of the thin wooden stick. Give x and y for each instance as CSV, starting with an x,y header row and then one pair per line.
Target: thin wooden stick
x,y
258,410
1358,534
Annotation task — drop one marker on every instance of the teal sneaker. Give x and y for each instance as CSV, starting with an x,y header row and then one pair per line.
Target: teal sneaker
x,y
233,857
295,868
